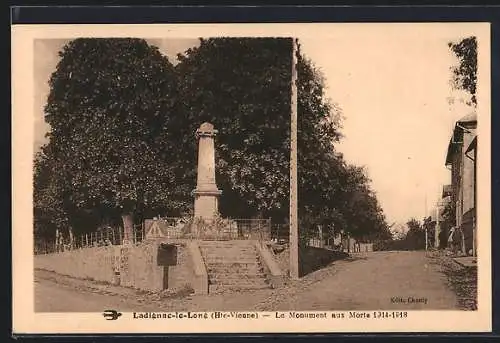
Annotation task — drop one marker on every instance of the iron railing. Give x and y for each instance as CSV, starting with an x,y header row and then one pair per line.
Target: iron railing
x,y
280,232
102,237
171,228
218,229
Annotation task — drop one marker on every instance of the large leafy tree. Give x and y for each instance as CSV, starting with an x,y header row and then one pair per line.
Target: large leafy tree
x,y
465,73
50,211
415,236
319,167
332,193
110,101
365,217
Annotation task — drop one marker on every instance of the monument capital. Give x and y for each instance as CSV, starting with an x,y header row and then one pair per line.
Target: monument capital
x,y
206,130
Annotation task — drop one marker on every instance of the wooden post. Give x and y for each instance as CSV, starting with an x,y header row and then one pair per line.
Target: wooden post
x,y
426,239
294,229
437,229
56,243
464,251
474,221
474,235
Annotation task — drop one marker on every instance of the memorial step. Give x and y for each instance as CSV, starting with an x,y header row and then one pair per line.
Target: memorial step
x,y
240,273
220,289
237,275
229,260
227,252
242,249
239,286
233,265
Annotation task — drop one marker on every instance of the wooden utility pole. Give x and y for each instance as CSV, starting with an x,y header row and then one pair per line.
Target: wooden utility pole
x,y
294,228
426,239
425,226
437,229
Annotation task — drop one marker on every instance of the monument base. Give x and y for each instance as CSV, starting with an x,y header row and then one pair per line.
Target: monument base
x,y
206,203
214,229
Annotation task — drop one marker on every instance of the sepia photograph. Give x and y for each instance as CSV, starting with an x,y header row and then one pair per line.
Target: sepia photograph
x,y
213,174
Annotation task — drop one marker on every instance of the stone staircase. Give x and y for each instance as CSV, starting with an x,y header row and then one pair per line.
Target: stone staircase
x,y
233,266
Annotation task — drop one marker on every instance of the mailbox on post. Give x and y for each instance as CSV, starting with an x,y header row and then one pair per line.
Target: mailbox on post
x,y
167,254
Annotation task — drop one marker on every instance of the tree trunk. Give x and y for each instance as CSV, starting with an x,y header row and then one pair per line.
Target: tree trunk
x,y
128,227
71,238
56,245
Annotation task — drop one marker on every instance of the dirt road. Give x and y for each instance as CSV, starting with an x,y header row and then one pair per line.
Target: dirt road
x,y
57,293
381,280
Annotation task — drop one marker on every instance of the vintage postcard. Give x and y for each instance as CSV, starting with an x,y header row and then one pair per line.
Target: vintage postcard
x,y
251,178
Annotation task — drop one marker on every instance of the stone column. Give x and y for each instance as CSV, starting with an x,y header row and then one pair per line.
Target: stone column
x,y
206,193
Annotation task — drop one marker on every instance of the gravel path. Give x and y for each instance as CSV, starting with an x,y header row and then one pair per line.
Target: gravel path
x,y
58,293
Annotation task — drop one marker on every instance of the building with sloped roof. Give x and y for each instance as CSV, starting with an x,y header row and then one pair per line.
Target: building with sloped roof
x,y
461,160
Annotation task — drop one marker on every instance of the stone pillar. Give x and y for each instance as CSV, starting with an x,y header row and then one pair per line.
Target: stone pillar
x,y
206,193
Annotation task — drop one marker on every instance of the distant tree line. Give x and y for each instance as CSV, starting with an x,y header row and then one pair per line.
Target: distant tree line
x,y
412,239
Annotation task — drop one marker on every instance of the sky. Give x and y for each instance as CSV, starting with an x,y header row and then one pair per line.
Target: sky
x,y
394,94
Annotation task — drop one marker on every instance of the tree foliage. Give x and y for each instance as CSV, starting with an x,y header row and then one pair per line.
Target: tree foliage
x,y
332,192
242,86
109,103
50,212
415,237
465,73
122,142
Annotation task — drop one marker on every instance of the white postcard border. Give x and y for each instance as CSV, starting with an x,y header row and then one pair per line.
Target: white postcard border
x,y
25,320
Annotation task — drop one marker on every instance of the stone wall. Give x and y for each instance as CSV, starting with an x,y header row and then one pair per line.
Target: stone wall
x,y
181,273
139,267
96,263
135,266
310,259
